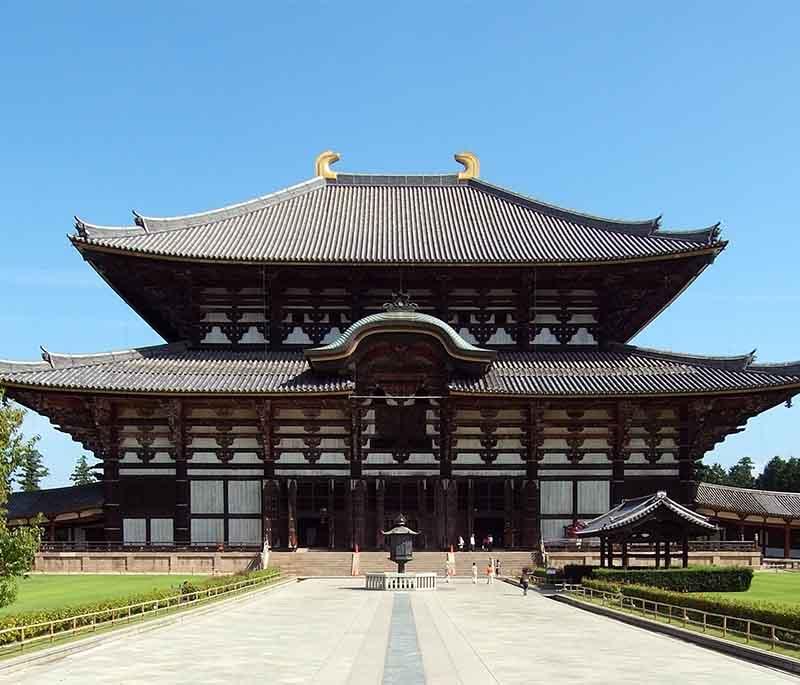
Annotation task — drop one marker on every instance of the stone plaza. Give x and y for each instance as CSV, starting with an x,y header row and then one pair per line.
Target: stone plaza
x,y
334,631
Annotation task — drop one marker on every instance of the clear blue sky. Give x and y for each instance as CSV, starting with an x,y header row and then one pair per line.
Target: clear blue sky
x,y
620,109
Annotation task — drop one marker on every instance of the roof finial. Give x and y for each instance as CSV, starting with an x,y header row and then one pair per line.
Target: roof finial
x,y
400,302
322,165
472,166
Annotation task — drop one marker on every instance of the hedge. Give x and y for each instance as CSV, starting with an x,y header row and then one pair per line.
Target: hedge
x,y
67,613
781,615
691,579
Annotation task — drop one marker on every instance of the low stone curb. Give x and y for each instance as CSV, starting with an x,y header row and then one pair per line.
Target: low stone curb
x,y
44,655
744,652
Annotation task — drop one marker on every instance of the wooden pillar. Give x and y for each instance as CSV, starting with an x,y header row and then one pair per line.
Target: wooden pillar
x,y
667,554
291,514
176,419
452,513
530,520
271,494
508,513
357,512
624,413
331,514
104,421
658,553
445,440
470,509
380,503
602,552
787,542
610,552
763,541
275,311
624,554
51,530
685,550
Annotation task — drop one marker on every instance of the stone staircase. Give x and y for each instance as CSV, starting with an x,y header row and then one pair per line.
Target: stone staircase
x,y
325,563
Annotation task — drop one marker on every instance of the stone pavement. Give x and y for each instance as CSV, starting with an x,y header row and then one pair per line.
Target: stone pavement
x,y
331,631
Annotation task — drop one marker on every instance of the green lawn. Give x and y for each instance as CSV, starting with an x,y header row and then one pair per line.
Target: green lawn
x,y
49,591
769,586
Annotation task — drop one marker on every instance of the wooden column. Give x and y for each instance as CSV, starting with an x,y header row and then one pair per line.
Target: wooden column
x,y
624,413
685,551
275,311
658,553
291,515
602,552
355,439
176,420
508,513
667,554
452,513
380,515
271,493
610,552
787,542
470,510
624,554
105,423
331,514
523,314
530,520
357,512
763,540
445,433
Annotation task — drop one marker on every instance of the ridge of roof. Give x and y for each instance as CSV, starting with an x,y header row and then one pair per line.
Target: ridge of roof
x,y
718,486
145,225
740,362
57,360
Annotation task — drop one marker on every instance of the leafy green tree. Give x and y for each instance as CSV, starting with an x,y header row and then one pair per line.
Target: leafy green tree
x,y
32,470
712,473
740,475
17,547
82,474
780,474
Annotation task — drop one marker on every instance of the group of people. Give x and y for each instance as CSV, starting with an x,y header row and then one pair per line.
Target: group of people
x,y
487,544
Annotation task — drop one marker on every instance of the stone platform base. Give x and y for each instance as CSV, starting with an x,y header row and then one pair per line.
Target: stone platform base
x,y
185,562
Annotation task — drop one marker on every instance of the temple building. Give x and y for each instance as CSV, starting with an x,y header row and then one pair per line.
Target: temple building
x,y
357,346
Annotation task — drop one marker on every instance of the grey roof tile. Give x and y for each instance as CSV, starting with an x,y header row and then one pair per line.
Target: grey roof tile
x,y
746,501
623,370
397,220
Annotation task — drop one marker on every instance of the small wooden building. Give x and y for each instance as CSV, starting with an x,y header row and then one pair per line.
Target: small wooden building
x,y
654,522
356,346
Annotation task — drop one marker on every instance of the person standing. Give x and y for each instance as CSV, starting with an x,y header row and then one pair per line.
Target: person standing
x,y
490,541
472,542
497,567
460,544
490,573
474,573
524,581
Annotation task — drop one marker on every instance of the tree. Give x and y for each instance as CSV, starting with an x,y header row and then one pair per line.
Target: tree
x,y
17,547
32,470
712,473
82,474
780,474
740,475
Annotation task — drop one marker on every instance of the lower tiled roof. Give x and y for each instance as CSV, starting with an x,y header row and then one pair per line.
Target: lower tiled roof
x,y
623,370
23,505
745,501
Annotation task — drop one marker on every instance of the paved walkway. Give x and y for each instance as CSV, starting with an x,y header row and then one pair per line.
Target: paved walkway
x,y
331,631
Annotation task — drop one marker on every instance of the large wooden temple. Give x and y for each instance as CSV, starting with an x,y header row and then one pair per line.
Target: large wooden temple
x,y
356,346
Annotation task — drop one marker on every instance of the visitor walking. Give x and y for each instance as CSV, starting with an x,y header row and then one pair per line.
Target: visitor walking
x,y
490,573
460,544
497,567
490,541
474,573
472,543
524,581
446,572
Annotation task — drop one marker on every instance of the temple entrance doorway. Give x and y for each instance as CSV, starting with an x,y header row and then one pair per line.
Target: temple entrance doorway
x,y
489,525
312,532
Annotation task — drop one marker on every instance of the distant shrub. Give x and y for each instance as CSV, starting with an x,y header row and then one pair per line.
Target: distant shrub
x,y
691,579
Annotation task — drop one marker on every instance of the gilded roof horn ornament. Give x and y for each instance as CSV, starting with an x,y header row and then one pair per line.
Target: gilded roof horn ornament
x,y
472,166
322,165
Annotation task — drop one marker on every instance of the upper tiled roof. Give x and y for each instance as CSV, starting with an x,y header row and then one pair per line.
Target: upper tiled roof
x,y
744,501
623,370
358,219
631,511
23,505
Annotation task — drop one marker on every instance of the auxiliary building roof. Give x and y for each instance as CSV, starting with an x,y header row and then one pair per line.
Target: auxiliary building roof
x,y
366,219
745,501
621,371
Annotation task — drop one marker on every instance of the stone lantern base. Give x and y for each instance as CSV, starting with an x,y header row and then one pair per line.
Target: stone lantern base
x,y
401,581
